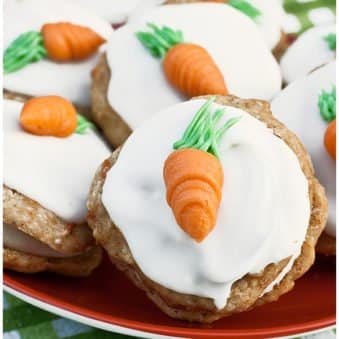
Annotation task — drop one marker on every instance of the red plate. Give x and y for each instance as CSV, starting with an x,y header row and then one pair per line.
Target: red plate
x,y
107,296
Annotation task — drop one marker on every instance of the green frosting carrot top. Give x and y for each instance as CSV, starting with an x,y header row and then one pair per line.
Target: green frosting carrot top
x,y
202,133
160,40
327,104
25,49
83,124
331,40
246,7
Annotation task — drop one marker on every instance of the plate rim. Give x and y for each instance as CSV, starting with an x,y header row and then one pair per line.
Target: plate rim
x,y
139,329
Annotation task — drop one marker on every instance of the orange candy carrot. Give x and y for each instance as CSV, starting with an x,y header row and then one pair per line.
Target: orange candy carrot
x,y
192,70
330,139
327,103
61,41
188,67
49,116
65,41
194,176
194,179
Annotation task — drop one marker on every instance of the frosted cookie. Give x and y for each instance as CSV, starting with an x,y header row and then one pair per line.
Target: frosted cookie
x,y
307,107
168,207
50,156
312,49
129,83
48,58
268,15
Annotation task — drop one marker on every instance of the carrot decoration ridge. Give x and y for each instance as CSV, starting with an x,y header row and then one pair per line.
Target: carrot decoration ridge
x,y
52,116
330,139
60,41
65,41
49,116
187,66
193,173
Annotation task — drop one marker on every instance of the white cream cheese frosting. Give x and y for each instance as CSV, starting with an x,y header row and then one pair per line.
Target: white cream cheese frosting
x,y
270,21
297,108
308,52
70,80
262,177
20,241
115,11
138,87
55,172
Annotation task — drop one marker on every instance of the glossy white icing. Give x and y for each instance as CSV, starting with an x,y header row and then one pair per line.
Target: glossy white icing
x,y
270,21
138,88
115,11
55,172
297,107
263,215
308,52
70,80
20,241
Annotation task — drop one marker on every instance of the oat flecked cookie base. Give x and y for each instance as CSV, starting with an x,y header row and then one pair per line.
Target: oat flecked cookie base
x,y
246,292
31,218
77,266
113,126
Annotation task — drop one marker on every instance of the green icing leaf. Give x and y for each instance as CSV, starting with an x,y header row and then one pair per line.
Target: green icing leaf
x,y
202,133
160,40
327,104
25,49
83,125
331,40
245,7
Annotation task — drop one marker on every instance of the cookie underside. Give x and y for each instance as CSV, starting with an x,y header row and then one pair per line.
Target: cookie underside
x,y
77,266
31,218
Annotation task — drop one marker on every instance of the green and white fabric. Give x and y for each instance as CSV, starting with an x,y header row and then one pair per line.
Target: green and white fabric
x,y
24,321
